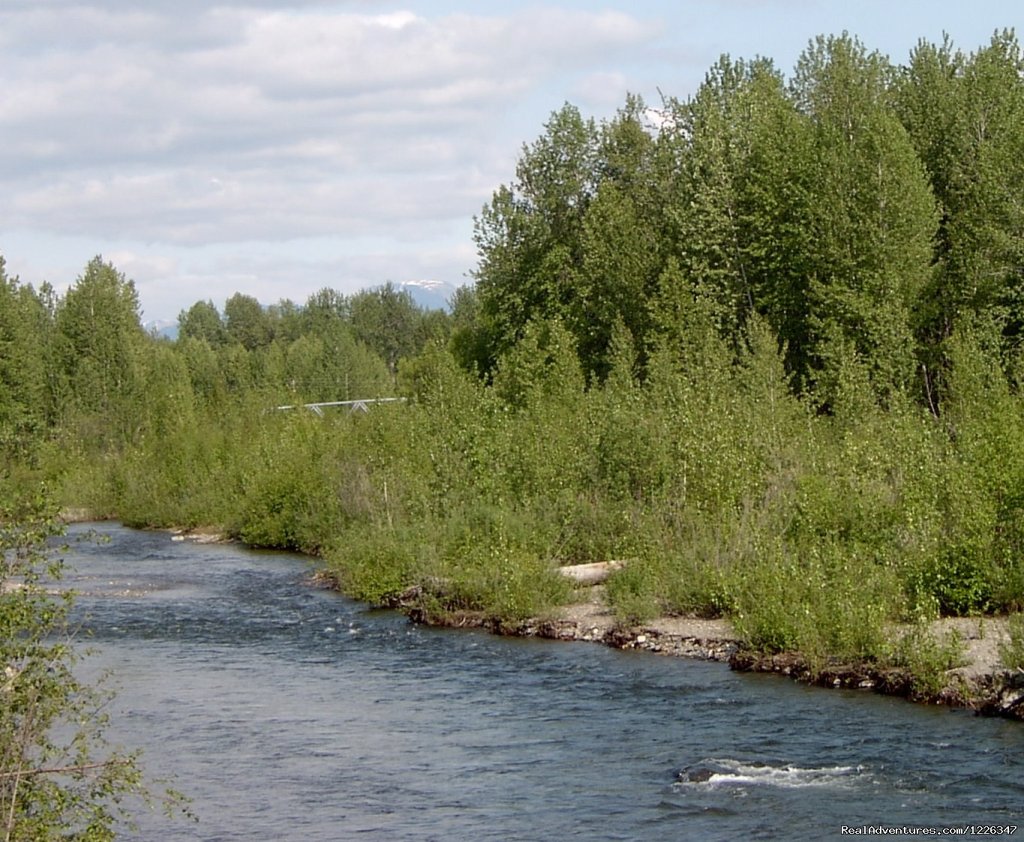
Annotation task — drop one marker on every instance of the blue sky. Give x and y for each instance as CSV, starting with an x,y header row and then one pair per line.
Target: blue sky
x,y
275,148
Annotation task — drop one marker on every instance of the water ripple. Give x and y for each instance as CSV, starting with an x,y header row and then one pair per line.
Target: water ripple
x,y
288,712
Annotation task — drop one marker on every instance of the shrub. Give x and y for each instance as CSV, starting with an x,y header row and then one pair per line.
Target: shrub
x,y
928,659
1012,651
58,776
634,591
375,565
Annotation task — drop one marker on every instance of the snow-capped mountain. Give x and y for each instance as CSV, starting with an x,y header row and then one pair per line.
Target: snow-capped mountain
x,y
431,295
162,328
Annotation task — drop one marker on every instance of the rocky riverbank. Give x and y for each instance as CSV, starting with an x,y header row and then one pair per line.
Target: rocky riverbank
x,y
980,684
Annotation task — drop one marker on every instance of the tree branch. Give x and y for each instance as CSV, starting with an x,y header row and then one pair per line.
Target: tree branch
x,y
57,770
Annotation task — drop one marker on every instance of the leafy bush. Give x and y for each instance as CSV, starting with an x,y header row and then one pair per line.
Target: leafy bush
x,y
375,565
928,658
825,602
634,591
1011,652
59,778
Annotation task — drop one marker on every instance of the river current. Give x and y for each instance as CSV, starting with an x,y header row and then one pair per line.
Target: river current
x,y
286,712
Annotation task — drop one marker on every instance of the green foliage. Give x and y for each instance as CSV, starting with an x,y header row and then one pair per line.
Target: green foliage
x,y
492,562
99,336
676,569
873,215
928,658
58,776
25,399
736,346
202,321
376,565
479,559
962,112
332,366
722,145
1011,652
245,322
529,236
387,320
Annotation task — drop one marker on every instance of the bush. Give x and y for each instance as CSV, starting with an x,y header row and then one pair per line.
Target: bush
x,y
634,591
496,562
928,659
829,604
58,776
375,565
1012,651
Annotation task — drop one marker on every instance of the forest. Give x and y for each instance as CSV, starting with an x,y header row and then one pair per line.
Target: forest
x,y
764,344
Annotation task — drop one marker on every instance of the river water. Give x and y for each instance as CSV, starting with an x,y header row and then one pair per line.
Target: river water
x,y
291,713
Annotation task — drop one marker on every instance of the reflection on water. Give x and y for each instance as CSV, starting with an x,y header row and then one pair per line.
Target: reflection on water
x,y
288,712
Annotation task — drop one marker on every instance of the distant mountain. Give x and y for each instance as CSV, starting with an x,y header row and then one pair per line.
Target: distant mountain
x,y
431,295
162,328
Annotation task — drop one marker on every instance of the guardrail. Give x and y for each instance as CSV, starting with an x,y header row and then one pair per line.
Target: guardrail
x,y
362,405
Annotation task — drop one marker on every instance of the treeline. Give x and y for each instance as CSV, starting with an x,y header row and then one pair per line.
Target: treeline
x,y
81,367
764,344
865,211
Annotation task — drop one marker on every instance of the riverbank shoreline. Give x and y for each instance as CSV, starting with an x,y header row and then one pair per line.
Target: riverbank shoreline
x,y
980,684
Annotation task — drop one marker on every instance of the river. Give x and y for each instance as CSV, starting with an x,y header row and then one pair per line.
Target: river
x,y
292,713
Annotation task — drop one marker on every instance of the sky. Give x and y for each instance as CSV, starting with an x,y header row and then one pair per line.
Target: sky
x,y
207,147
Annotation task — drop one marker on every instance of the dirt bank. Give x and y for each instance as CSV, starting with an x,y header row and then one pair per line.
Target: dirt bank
x,y
981,684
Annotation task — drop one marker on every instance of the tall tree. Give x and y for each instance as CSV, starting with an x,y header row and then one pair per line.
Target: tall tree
x,y
964,113
24,336
739,213
872,214
469,342
323,310
202,321
247,322
100,335
713,132
387,320
285,319
331,367
621,241
529,237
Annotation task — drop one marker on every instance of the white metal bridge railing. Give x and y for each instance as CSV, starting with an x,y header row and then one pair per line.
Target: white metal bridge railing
x,y
362,405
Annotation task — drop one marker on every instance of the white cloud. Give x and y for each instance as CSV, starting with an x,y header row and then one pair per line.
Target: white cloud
x,y
602,90
187,124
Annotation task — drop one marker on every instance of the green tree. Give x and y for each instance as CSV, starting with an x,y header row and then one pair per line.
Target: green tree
x,y
469,341
620,260
24,396
387,320
167,403
332,365
542,367
529,237
238,370
208,382
247,323
286,320
774,241
59,779
621,243
872,215
713,138
100,337
323,310
202,321
963,113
